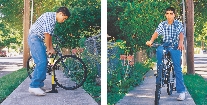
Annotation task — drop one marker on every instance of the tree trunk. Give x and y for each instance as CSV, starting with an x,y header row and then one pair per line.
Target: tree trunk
x,y
190,37
26,23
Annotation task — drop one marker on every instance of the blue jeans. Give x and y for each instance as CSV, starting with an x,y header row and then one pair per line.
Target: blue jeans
x,y
38,52
176,59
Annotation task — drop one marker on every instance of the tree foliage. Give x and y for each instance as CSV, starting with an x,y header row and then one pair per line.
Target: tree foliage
x,y
200,16
136,21
85,20
8,36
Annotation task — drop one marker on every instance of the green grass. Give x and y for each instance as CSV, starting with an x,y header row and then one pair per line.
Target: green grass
x,y
197,87
10,82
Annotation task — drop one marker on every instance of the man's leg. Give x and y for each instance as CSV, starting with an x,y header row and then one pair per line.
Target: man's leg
x,y
38,52
176,58
159,55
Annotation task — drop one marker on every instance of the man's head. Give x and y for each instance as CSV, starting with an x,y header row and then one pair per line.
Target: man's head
x,y
62,14
170,13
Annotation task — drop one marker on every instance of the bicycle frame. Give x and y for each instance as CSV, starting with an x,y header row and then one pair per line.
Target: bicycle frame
x,y
165,75
167,63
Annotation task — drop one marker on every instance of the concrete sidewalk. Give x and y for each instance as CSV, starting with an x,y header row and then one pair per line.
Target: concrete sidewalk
x,y
144,94
21,96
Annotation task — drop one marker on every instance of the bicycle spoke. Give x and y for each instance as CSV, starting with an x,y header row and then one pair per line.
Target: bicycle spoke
x,y
70,72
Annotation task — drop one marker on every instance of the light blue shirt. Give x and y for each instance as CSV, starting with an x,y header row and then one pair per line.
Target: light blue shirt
x,y
170,32
44,24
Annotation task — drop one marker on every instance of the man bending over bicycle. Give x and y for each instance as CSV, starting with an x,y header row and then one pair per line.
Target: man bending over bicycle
x,y
172,31
41,31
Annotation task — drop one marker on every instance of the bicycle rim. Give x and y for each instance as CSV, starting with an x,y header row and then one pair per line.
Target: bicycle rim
x,y
70,72
30,66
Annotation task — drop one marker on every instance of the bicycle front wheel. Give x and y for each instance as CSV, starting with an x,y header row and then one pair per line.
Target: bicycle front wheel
x,y
157,94
70,72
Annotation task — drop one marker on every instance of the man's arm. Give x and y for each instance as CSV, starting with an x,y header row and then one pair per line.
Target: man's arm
x,y
180,43
48,42
154,36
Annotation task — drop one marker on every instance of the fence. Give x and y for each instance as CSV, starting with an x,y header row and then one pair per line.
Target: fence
x,y
93,47
115,59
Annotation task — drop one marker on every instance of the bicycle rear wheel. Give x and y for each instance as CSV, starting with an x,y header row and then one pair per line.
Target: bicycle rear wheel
x,y
70,72
30,66
171,80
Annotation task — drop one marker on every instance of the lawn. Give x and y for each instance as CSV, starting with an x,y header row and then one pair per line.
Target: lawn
x,y
11,82
197,87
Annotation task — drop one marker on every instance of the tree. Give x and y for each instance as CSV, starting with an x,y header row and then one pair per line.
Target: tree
x,y
8,36
136,21
200,16
84,22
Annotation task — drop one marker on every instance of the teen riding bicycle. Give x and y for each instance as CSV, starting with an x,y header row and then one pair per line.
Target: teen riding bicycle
x,y
173,37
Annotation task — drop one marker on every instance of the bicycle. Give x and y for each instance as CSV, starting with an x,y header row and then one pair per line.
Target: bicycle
x,y
68,71
165,75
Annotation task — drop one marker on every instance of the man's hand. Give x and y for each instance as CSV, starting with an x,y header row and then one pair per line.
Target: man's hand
x,y
180,45
50,51
149,43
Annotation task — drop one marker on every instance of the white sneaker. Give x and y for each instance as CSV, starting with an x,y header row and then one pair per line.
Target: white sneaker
x,y
181,96
36,91
45,89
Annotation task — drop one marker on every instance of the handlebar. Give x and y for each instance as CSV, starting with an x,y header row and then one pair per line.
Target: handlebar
x,y
155,45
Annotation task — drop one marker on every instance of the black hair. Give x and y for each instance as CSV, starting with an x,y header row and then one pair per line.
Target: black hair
x,y
170,9
64,10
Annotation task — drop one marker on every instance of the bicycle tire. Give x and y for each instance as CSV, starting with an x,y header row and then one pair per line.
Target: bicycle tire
x,y
30,66
173,75
169,88
159,82
169,82
157,94
70,72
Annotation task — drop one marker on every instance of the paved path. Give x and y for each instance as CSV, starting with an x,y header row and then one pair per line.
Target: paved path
x,y
10,64
144,94
200,61
21,96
